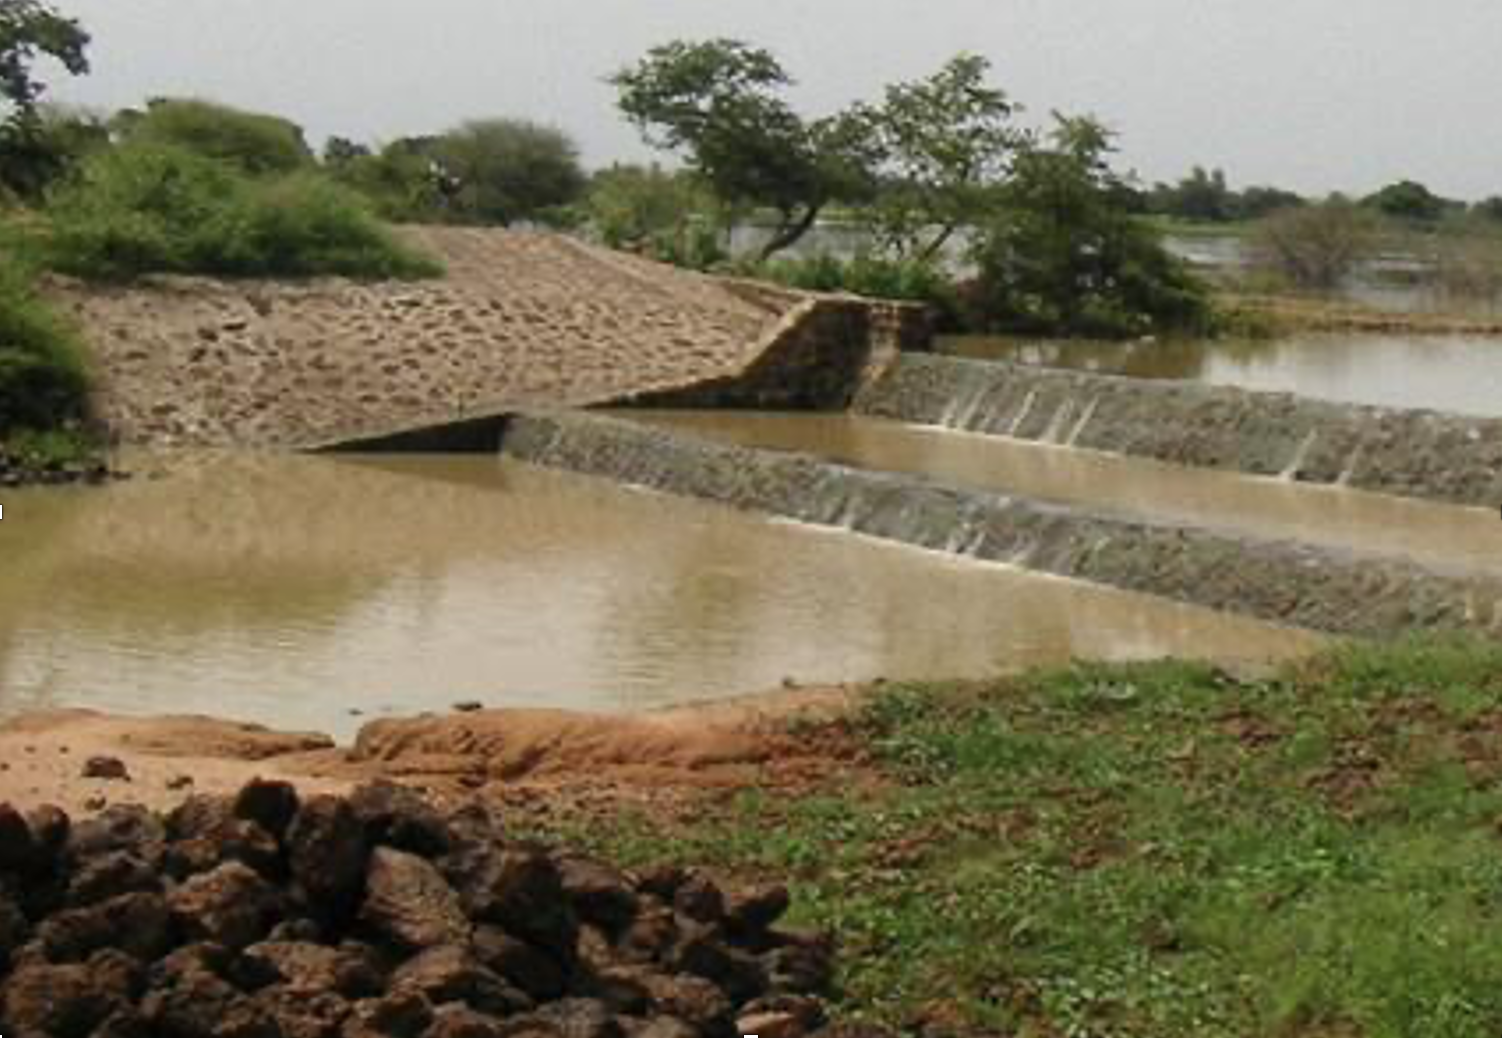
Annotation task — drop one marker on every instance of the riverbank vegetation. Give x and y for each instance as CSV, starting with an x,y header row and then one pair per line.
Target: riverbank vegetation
x,y
1153,850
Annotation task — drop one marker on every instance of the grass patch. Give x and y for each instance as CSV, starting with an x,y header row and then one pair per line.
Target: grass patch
x,y
1157,850
149,208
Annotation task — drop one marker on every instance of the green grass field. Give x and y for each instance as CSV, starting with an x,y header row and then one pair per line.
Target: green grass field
x,y
1155,850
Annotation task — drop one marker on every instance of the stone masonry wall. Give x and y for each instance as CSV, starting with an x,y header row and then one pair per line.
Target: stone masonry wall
x,y
1283,582
1406,452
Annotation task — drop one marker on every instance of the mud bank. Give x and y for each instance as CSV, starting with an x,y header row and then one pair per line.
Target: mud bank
x,y
1412,453
1283,582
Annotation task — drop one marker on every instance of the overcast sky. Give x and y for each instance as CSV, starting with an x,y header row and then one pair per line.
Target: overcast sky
x,y
1311,94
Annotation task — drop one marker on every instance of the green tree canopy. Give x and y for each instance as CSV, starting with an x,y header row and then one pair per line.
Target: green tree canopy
x,y
34,150
506,170
945,142
1066,256
1407,200
720,104
251,141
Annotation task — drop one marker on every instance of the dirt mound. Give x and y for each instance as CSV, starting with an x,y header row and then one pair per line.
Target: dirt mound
x,y
271,915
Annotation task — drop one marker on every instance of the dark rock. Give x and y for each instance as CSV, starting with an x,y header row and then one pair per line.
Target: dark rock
x,y
111,875
328,856
691,999
700,899
600,894
232,906
458,1021
521,891
398,817
576,1018
298,967
662,882
804,966
649,938
199,1004
666,1027
270,805
451,974
809,1012
753,911
206,832
703,954
50,828
301,1014
18,851
121,828
14,929
771,1025
404,1015
408,902
109,769
530,969
137,924
116,973
56,1002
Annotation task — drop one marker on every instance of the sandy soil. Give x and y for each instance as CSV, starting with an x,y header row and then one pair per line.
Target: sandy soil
x,y
520,320
534,760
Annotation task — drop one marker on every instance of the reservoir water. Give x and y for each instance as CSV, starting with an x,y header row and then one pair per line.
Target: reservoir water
x,y
317,593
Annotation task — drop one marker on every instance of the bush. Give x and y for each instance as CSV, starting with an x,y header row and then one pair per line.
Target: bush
x,y
506,170
874,277
253,143
146,208
1315,246
43,383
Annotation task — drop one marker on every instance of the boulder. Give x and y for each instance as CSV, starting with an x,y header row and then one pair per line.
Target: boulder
x,y
409,903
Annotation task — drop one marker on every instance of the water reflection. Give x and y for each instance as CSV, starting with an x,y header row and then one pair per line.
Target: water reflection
x,y
291,591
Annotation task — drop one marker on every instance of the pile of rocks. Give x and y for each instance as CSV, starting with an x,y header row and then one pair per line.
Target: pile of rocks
x,y
373,916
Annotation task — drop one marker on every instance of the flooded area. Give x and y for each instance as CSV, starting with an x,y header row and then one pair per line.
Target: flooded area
x,y
317,593
1441,372
1445,537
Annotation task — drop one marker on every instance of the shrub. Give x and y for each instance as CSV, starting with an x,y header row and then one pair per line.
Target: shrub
x,y
507,170
43,383
254,143
871,276
146,208
1315,246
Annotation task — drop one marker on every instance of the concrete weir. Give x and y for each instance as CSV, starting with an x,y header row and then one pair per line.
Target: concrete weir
x,y
1280,581
1411,453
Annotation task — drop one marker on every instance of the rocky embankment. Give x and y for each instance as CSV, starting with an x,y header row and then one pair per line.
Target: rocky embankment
x,y
1286,582
268,915
1412,453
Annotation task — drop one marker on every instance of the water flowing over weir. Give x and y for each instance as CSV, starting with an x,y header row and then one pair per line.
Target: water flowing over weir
x,y
1411,453
1329,590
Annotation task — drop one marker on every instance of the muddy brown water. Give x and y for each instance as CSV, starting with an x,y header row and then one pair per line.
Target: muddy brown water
x,y
1445,537
1441,372
317,593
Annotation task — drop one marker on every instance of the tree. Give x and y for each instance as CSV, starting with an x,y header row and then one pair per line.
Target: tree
x,y
1315,246
30,29
1490,208
30,156
1065,256
504,170
669,215
1257,202
1407,200
720,104
945,142
251,141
